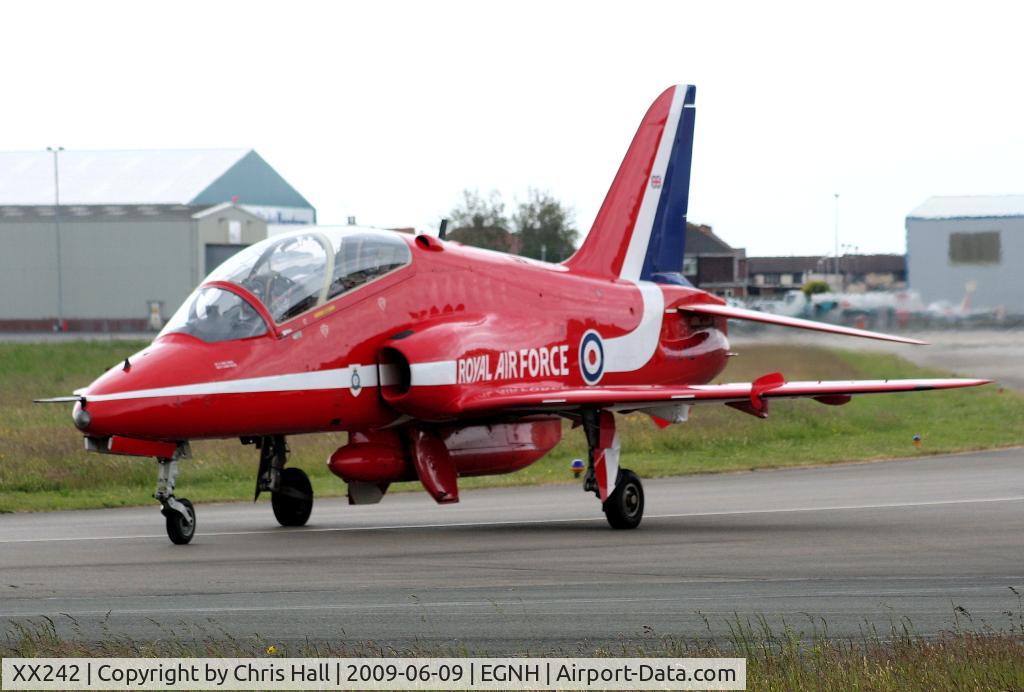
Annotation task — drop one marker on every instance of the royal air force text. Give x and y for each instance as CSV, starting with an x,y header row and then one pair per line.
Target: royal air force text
x,y
525,363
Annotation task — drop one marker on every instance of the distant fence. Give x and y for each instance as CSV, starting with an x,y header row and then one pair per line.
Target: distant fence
x,y
89,325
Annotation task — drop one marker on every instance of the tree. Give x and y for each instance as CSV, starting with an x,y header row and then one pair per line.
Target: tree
x,y
542,227
481,222
477,212
545,228
812,287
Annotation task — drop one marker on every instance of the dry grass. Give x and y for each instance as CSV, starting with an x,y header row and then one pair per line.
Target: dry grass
x,y
777,660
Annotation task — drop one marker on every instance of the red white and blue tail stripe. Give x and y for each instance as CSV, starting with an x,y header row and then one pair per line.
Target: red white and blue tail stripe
x,y
640,230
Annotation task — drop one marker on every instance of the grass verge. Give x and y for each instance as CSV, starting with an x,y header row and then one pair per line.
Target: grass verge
x,y
778,659
43,467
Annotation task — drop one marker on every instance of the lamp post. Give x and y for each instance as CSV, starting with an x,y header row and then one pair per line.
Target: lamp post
x,y
847,250
56,222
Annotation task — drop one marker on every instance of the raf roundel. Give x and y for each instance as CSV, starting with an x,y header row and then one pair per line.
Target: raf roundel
x,y
591,357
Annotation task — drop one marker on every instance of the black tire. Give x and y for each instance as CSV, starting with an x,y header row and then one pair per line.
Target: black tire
x,y
624,508
293,503
179,530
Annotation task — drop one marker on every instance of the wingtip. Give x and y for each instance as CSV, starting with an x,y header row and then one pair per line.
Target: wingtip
x,y
894,338
972,382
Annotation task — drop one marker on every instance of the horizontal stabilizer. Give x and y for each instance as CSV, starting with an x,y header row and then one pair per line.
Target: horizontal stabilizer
x,y
782,321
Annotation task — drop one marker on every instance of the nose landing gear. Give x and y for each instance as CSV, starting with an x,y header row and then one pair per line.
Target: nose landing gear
x,y
179,513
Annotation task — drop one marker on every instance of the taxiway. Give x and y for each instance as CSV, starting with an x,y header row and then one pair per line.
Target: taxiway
x,y
537,569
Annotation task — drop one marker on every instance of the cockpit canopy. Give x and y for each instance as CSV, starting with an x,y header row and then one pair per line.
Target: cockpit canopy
x,y
290,274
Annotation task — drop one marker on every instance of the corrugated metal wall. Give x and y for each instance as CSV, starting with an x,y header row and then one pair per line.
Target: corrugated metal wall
x,y
113,265
935,277
28,269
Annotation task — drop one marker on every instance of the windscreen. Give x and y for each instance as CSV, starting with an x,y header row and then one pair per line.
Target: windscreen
x,y
213,314
286,275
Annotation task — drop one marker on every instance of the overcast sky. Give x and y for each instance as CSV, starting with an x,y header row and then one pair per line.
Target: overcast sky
x,y
386,111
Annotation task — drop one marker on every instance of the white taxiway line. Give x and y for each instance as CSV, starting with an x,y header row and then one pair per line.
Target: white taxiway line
x,y
488,603
494,603
514,522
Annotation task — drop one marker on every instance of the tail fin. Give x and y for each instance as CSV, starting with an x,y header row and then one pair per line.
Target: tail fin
x,y
640,230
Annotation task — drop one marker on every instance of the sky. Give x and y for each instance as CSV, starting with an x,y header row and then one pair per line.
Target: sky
x,y
387,111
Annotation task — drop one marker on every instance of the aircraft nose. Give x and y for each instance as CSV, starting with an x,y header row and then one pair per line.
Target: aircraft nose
x,y
107,407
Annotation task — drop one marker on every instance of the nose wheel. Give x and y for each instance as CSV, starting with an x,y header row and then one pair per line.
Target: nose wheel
x,y
181,520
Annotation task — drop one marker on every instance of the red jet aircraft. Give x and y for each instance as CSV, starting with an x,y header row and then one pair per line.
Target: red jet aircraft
x,y
441,360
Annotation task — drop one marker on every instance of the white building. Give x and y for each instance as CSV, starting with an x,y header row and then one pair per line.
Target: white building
x,y
968,245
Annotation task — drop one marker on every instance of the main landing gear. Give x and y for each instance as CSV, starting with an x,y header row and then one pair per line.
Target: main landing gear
x,y
291,492
620,490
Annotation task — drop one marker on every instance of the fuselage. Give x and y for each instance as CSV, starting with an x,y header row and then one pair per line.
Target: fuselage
x,y
457,318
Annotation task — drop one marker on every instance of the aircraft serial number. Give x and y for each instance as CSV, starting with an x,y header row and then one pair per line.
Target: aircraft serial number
x,y
46,673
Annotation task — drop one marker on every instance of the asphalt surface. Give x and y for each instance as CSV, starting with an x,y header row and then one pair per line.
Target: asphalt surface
x,y
537,569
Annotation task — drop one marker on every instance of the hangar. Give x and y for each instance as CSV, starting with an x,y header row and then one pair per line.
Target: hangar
x,y
968,246
116,240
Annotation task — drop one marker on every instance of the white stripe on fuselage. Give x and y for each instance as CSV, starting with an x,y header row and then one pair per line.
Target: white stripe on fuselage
x,y
632,351
338,378
640,234
433,373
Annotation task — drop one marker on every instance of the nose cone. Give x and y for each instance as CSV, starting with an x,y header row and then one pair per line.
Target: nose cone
x,y
125,400
82,418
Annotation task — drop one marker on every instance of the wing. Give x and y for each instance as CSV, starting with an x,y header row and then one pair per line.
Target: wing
x,y
782,321
750,397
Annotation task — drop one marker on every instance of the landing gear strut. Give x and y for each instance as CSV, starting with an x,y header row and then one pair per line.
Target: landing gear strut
x,y
179,513
620,490
291,492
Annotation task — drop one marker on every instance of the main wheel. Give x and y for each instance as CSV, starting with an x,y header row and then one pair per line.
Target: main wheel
x,y
179,529
624,508
293,502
